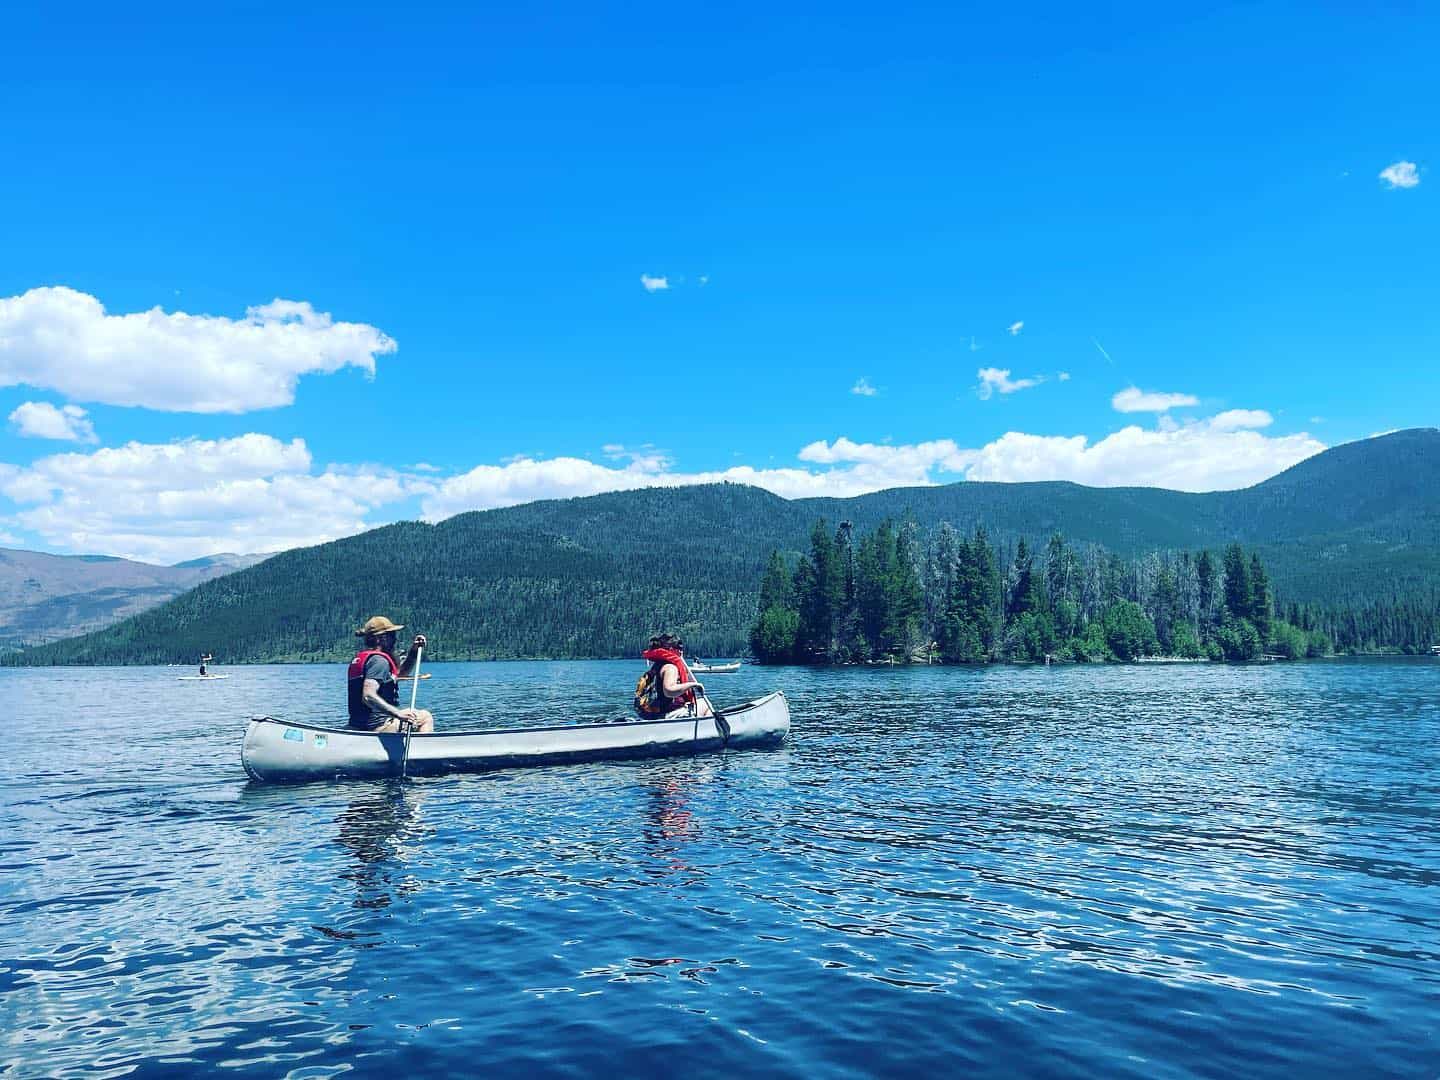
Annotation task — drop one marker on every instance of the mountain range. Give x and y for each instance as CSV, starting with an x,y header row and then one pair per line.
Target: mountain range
x,y
44,597
1358,524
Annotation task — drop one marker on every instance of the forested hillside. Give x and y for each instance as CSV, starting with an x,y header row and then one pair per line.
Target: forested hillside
x,y
1351,534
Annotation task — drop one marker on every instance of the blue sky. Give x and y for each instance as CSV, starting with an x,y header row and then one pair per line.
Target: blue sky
x,y
1181,204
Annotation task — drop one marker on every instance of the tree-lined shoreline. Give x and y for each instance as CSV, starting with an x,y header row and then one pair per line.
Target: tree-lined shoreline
x,y
888,596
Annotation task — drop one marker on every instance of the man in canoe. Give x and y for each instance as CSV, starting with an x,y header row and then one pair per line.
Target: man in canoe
x,y
372,682
667,688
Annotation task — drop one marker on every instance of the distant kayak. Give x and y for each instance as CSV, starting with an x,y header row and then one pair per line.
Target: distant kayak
x,y
716,669
280,750
199,678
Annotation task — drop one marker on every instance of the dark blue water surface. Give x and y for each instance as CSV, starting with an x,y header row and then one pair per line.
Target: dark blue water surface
x,y
1128,871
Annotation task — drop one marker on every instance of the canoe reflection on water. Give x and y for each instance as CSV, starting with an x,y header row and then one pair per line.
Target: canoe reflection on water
x,y
376,828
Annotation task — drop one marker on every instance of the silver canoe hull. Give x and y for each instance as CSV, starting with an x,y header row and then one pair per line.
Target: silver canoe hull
x,y
275,750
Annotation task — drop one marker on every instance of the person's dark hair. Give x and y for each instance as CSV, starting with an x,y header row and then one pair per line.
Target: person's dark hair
x,y
666,641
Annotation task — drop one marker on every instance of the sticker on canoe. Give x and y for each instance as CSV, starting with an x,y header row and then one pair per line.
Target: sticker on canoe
x,y
321,741
291,735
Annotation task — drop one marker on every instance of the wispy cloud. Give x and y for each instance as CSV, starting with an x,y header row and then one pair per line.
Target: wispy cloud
x,y
1241,420
1101,348
975,346
41,420
863,388
997,381
654,284
644,458
1015,327
1132,400
1064,376
1402,174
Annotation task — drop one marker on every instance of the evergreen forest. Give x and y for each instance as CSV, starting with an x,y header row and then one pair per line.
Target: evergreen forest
x,y
886,597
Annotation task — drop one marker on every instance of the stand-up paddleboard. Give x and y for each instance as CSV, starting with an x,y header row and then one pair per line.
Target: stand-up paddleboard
x,y
199,678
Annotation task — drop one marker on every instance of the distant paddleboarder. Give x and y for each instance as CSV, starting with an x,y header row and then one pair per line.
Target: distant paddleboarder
x,y
207,658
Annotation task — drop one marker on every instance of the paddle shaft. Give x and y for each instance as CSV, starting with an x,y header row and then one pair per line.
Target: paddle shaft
x,y
409,725
720,722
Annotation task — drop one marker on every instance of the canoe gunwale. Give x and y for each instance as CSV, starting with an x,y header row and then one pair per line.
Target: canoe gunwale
x,y
417,735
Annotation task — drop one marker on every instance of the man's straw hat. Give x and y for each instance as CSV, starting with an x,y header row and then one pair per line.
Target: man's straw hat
x,y
377,626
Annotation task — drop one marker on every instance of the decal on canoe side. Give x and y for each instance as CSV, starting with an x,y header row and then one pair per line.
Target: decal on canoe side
x,y
291,735
321,741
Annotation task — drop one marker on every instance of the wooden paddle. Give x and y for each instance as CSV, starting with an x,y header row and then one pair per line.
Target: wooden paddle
x,y
409,725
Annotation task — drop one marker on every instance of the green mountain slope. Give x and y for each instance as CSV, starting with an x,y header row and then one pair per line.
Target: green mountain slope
x,y
594,576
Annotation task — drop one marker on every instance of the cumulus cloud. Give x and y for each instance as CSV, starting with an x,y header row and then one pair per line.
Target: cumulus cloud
x,y
42,420
1201,456
1014,328
856,469
63,340
173,501
167,502
863,388
1402,174
1132,399
998,381
654,284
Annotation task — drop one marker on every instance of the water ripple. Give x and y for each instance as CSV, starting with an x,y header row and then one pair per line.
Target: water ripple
x,y
1125,872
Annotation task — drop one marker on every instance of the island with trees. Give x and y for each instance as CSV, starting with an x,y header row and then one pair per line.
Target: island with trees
x,y
886,597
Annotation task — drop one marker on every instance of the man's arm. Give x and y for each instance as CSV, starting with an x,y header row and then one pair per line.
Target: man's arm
x,y
370,693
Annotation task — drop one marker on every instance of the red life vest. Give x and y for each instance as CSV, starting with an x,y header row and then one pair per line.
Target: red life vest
x,y
355,687
658,659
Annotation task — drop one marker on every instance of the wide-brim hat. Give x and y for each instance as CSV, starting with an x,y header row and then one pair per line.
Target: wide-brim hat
x,y
377,626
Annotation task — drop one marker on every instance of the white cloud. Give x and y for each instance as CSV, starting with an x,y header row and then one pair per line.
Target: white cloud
x,y
1240,419
863,388
654,284
1133,400
255,493
1064,376
1402,174
858,468
997,380
42,420
646,458
1201,456
174,501
60,339
1014,328
1206,455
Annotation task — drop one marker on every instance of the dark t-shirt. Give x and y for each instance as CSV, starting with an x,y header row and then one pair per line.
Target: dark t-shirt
x,y
378,669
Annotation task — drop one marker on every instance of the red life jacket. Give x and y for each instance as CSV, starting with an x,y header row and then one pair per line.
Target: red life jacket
x,y
355,687
658,659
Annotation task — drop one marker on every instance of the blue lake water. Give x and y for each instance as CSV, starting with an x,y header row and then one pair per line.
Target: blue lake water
x,y
1189,871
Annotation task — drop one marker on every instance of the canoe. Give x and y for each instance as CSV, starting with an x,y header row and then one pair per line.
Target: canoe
x,y
199,678
280,750
716,669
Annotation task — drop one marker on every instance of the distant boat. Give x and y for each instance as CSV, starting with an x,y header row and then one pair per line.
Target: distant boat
x,y
199,678
715,669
